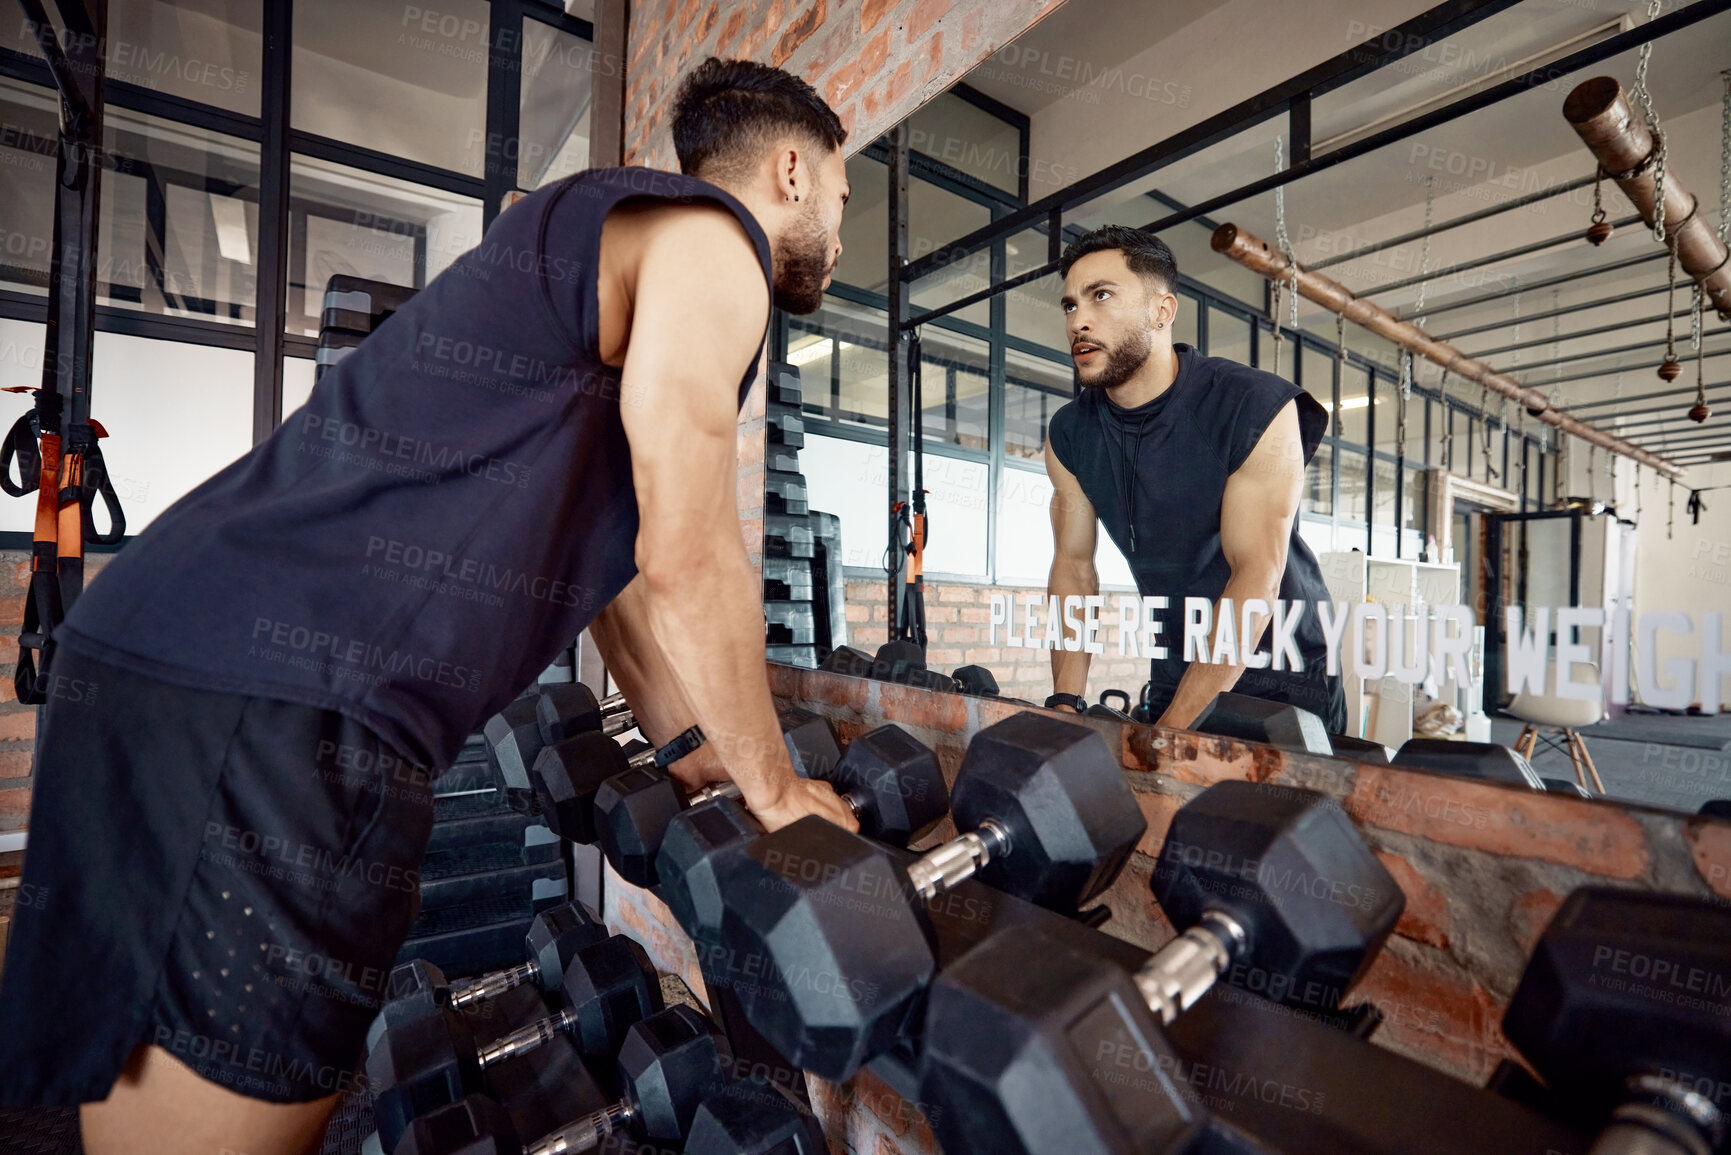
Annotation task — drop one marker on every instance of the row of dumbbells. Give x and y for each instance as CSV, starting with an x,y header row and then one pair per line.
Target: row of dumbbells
x,y
830,946
447,1065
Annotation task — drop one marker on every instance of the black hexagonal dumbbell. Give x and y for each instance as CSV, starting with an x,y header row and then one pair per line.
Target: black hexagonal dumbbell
x,y
890,781
1625,1011
696,840
567,775
555,936
433,1060
754,1117
1030,1045
541,717
669,1063
829,931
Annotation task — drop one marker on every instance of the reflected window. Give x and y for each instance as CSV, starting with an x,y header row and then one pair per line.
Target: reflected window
x,y
179,220
1265,354
29,130
1319,483
841,353
1184,323
1352,419
342,220
405,80
1228,336
969,139
1034,389
955,388
553,130
1353,481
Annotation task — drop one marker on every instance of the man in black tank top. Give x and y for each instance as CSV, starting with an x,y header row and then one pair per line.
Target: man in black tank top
x,y
1195,466
233,793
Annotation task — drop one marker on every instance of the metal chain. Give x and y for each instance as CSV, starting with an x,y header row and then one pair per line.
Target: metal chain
x,y
1725,163
1700,351
1485,420
1637,493
1448,437
1280,238
1671,508
1406,373
1644,98
1695,318
1592,472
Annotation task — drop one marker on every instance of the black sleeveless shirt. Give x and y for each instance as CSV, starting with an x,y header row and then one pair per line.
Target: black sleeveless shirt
x,y
1156,475
450,508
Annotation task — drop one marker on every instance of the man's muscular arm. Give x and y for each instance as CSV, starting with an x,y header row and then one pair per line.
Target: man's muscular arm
x,y
1073,536
698,315
647,678
1256,513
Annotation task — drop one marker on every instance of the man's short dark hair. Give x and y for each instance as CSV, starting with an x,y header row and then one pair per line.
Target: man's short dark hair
x,y
1145,253
728,111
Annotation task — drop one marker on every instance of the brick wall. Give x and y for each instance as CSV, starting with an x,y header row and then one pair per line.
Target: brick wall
x,y
18,722
958,632
875,61
1483,868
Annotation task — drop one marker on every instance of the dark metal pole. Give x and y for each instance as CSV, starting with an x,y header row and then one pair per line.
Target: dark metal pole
x,y
270,315
504,96
607,92
897,409
1622,298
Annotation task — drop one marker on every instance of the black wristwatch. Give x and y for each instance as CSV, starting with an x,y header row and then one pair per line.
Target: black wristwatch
x,y
1075,701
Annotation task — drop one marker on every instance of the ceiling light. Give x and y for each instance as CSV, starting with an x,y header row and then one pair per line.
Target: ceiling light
x,y
816,351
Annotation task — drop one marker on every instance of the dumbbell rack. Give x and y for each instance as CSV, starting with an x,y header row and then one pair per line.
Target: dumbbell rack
x,y
802,578
1372,1101
353,308
488,870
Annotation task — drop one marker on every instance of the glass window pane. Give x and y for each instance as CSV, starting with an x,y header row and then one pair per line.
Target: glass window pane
x,y
935,218
843,364
1032,310
1319,482
1184,323
1318,379
343,220
177,413
1387,420
208,52
850,479
957,506
1265,353
1353,417
29,128
406,80
972,140
179,220
1352,485
864,260
1411,514
553,130
954,389
1228,336
1034,389
1383,514
1461,446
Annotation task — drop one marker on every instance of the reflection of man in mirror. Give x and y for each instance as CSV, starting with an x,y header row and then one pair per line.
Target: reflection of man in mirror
x,y
1195,466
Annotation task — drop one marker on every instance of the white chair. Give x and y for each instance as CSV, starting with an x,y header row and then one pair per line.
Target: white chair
x,y
1557,721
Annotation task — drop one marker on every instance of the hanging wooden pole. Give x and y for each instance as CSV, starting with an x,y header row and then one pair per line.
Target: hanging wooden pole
x,y
1260,257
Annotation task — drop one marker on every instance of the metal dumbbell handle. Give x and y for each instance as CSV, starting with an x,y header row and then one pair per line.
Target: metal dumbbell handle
x,y
940,869
495,984
855,803
617,715
525,1039
1668,1119
586,1134
1185,968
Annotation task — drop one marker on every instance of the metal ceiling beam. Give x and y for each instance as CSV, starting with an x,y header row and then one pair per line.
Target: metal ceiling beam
x,y
1550,282
1681,314
1570,237
1561,311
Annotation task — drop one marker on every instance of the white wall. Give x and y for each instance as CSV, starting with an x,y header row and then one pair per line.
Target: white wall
x,y
1691,569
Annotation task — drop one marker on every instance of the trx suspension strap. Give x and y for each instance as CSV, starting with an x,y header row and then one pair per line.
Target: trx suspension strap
x,y
911,621
55,445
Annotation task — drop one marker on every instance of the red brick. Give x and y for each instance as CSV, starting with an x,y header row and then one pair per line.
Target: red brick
x,y
1709,841
834,689
1201,758
705,22
833,47
1158,809
1426,916
730,30
858,613
1570,832
873,11
940,613
1530,914
978,615
797,33
15,763
943,658
929,709
957,592
12,610
1432,1011
14,807
925,14
984,656
18,726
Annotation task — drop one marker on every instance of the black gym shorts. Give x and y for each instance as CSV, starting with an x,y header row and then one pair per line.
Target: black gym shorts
x,y
226,877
